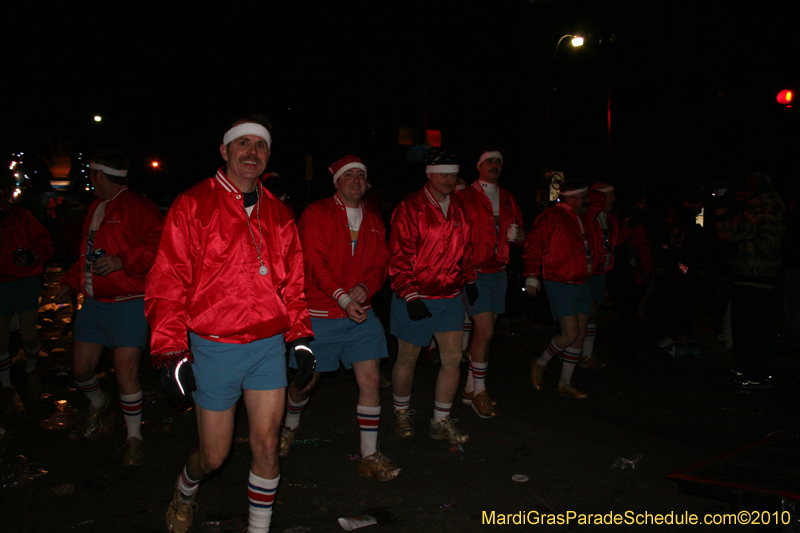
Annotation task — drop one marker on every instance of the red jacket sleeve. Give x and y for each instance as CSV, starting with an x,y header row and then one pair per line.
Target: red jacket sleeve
x,y
167,283
535,244
402,247
294,290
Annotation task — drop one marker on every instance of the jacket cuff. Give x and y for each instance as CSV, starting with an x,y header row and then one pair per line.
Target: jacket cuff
x,y
166,359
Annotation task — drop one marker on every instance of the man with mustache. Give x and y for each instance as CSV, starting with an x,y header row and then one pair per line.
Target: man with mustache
x,y
561,251
229,272
430,266
346,259
496,224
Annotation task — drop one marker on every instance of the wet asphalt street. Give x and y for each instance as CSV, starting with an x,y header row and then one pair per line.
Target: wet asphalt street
x,y
672,412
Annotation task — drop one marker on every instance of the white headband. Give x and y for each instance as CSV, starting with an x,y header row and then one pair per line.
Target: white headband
x,y
108,170
606,189
248,128
487,155
348,166
575,192
442,169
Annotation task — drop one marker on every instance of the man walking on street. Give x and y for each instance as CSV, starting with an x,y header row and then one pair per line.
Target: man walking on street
x,y
346,259
560,251
229,272
430,265
496,224
119,242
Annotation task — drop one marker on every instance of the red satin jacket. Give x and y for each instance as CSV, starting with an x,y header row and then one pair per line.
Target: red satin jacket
x,y
490,247
331,266
431,256
554,248
130,229
206,275
21,229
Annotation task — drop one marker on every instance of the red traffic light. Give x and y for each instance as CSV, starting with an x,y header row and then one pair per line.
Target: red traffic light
x,y
785,97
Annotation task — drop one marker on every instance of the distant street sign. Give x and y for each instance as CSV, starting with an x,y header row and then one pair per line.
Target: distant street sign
x,y
416,154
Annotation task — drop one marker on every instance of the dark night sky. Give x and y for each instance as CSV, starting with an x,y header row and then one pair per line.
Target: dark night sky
x,y
341,78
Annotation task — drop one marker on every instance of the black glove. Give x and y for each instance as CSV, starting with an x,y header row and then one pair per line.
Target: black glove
x,y
417,310
306,362
24,258
472,293
177,380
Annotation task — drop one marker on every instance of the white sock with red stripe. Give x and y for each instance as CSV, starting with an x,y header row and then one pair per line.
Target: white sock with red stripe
x,y
470,385
132,409
293,412
401,402
588,341
92,390
478,371
262,496
440,410
31,357
5,370
551,351
570,359
369,418
188,486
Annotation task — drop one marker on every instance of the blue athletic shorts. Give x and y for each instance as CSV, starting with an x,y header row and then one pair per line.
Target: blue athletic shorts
x,y
448,315
223,370
342,340
597,286
491,294
568,299
112,324
19,296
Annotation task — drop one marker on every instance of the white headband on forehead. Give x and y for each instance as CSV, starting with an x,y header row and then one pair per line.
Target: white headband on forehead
x,y
487,155
248,128
108,170
606,189
442,169
575,192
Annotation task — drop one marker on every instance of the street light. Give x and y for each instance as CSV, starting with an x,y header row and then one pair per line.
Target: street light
x,y
576,41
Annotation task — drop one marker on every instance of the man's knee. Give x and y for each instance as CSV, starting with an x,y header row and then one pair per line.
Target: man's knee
x,y
211,460
408,356
450,359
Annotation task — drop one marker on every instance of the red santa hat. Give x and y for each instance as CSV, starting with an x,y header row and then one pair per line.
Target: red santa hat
x,y
345,164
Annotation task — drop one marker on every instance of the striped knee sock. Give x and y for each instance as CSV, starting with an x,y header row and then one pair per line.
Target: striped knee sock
x,y
401,402
588,341
293,412
369,418
132,409
5,370
478,371
440,410
92,390
570,357
551,351
31,357
262,496
188,486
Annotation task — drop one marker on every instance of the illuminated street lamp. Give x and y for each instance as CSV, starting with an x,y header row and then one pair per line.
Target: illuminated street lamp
x,y
576,41
98,118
